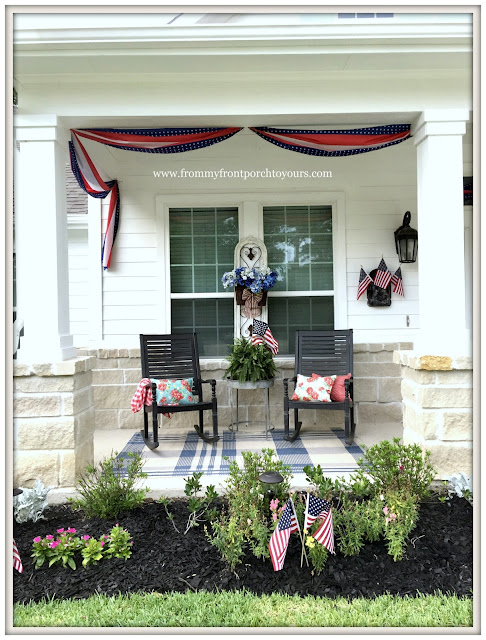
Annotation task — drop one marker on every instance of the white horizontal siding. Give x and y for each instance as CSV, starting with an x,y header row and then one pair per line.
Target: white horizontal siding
x,y
78,285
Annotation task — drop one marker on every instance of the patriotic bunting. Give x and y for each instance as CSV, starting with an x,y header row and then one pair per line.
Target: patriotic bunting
x,y
17,562
364,282
335,142
92,179
262,335
397,282
382,275
280,537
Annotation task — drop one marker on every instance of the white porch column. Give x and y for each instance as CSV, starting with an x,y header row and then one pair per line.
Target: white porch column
x,y
41,240
438,138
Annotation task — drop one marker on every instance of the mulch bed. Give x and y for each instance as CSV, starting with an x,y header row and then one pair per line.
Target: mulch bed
x,y
438,558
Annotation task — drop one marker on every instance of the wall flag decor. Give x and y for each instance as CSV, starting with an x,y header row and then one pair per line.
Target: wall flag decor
x,y
378,285
364,282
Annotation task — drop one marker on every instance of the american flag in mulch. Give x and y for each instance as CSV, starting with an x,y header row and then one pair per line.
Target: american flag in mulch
x,y
17,562
262,335
382,275
280,537
397,282
364,282
316,509
325,533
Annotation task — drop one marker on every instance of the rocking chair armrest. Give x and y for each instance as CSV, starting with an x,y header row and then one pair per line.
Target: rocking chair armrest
x,y
286,384
212,382
348,387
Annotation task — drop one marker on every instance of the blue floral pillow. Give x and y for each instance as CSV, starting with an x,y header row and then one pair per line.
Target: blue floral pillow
x,y
174,392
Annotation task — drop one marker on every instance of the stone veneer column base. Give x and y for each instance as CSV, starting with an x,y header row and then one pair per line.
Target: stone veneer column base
x,y
437,408
53,421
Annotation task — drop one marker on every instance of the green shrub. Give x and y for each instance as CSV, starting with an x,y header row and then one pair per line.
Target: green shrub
x,y
104,492
249,362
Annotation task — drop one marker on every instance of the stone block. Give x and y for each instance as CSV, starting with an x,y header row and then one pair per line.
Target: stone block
x,y
277,394
83,380
418,376
109,363
391,346
36,384
462,363
410,390
450,458
44,369
134,352
129,420
424,422
123,353
21,369
84,455
389,390
376,370
84,425
130,376
454,377
412,437
405,346
379,413
37,405
113,396
444,397
130,363
365,390
82,400
384,356
75,365
67,469
106,419
458,425
373,348
317,420
364,356
110,376
30,465
44,433
435,363
360,348
107,353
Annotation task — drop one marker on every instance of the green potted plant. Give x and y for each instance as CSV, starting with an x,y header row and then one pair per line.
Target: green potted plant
x,y
250,366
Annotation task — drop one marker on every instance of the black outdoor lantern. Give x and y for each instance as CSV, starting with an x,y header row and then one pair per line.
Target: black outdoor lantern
x,y
406,241
271,479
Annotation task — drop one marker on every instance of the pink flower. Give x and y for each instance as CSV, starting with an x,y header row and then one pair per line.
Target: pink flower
x,y
71,530
37,539
273,504
54,544
385,510
387,520
117,525
86,537
102,543
401,467
393,516
59,530
249,521
49,537
274,516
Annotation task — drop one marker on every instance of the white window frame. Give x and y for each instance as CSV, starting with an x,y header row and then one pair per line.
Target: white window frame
x,y
250,223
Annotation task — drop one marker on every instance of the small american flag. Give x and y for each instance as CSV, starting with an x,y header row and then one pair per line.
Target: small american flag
x,y
382,275
262,335
17,562
397,281
280,537
364,282
316,509
325,533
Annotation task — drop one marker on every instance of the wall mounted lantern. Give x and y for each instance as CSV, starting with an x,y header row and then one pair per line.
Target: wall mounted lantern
x,y
406,241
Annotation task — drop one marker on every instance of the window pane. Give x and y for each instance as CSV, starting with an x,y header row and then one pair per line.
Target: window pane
x,y
181,279
299,245
204,222
212,320
286,315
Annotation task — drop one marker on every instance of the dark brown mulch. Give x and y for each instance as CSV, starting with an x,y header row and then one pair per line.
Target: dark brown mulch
x,y
438,558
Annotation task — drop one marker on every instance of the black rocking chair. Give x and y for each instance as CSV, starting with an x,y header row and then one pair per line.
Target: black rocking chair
x,y
175,356
325,353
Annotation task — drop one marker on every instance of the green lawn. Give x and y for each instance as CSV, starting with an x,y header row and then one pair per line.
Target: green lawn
x,y
242,609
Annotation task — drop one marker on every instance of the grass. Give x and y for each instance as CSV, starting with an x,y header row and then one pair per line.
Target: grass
x,y
240,608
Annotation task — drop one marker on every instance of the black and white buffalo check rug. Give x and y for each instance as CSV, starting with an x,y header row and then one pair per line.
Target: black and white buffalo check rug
x,y
180,453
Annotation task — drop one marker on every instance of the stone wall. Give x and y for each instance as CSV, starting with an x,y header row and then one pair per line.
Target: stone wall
x,y
437,409
377,390
53,421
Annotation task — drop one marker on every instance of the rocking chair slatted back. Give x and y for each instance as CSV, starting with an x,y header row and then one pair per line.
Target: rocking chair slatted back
x,y
324,352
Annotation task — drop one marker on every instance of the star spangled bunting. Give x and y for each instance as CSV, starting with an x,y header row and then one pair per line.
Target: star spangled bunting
x,y
17,562
93,181
316,509
382,275
279,541
262,335
335,142
364,282
325,533
397,282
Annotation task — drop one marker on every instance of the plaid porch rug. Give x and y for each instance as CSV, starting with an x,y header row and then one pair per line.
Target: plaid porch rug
x,y
183,454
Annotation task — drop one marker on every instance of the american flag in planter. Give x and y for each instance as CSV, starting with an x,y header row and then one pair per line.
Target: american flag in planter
x,y
280,537
335,143
382,275
262,335
364,282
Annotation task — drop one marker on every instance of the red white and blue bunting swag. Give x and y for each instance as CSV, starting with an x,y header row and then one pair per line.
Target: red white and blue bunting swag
x,y
92,180
332,143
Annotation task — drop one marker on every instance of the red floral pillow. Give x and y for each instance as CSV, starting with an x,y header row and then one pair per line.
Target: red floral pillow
x,y
337,391
313,388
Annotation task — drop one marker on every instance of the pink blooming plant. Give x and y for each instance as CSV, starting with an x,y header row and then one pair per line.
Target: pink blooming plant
x,y
86,537
60,531
37,539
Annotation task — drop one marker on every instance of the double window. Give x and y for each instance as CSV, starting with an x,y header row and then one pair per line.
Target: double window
x,y
299,242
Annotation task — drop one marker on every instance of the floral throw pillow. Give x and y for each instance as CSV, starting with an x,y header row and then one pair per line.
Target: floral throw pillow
x,y
174,392
313,388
